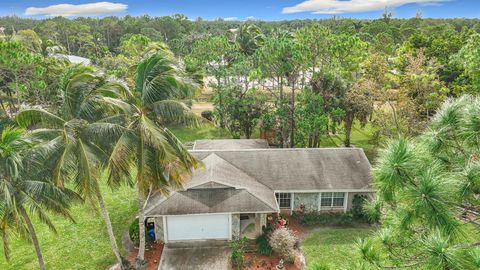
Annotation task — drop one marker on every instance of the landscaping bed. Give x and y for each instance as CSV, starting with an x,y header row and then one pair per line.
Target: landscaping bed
x,y
152,255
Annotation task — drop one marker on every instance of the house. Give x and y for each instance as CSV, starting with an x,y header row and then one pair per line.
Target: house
x,y
243,181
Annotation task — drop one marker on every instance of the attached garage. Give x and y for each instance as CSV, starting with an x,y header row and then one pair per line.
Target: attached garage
x,y
198,227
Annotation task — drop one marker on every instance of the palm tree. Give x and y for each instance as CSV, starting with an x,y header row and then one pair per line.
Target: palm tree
x,y
75,142
159,158
23,195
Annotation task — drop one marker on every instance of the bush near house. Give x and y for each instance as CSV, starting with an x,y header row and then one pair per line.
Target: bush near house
x,y
330,218
207,115
238,252
284,242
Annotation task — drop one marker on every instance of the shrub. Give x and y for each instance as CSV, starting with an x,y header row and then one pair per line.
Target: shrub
x,y
263,246
283,243
134,232
333,218
358,203
207,115
238,252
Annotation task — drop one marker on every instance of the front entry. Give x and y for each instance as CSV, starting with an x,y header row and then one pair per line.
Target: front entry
x,y
198,227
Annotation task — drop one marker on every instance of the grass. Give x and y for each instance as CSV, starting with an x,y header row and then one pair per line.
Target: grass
x,y
83,245
359,137
188,134
333,247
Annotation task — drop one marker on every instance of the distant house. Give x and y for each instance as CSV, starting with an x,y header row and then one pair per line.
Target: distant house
x,y
73,59
243,180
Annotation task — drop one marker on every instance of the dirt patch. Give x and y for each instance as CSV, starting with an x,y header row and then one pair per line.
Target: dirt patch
x,y
293,224
152,255
255,261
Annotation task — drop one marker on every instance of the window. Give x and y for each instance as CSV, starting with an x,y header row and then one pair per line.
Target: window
x,y
333,199
284,199
327,199
338,199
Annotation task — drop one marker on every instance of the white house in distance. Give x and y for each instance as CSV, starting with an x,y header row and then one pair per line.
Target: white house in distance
x,y
243,181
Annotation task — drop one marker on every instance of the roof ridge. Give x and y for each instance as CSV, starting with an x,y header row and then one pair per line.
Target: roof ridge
x,y
280,149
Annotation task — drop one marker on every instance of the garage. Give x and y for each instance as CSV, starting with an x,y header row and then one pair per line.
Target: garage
x,y
198,227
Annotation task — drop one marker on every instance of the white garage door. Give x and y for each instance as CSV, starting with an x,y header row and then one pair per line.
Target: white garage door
x,y
198,227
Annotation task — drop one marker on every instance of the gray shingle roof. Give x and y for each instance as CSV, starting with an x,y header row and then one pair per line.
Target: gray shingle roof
x,y
301,168
197,201
230,144
245,180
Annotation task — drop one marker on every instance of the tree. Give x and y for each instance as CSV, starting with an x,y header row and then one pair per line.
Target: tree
x,y
468,58
160,160
213,55
29,39
75,143
425,188
20,70
280,63
312,121
24,194
242,109
332,89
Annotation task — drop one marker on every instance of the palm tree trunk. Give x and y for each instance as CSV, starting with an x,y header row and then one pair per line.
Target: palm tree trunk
x,y
36,244
141,223
108,223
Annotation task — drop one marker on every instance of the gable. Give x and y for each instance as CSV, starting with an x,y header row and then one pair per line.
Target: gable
x,y
210,185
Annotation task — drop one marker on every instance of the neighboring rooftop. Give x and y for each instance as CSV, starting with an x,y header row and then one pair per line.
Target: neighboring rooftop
x,y
230,144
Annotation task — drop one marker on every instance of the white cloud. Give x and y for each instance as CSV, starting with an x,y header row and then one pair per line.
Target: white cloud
x,y
250,18
230,19
352,6
91,9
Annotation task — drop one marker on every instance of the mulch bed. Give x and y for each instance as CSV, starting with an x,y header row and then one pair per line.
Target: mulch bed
x,y
254,261
152,255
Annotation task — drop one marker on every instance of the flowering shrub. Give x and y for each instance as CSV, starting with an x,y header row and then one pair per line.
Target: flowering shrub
x,y
283,243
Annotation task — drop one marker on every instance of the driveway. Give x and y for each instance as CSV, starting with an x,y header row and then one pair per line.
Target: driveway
x,y
201,255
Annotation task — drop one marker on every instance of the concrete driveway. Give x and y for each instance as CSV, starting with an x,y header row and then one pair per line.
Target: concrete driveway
x,y
201,255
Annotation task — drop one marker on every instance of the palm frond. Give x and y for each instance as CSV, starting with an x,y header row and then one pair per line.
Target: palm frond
x,y
39,117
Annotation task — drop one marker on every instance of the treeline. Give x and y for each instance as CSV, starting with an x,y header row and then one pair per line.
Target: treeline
x,y
301,80
81,36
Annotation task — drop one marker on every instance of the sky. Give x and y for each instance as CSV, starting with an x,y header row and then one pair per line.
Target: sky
x,y
242,9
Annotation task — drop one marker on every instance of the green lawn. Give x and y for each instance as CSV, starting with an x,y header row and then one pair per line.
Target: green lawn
x,y
189,135
333,247
360,137
83,245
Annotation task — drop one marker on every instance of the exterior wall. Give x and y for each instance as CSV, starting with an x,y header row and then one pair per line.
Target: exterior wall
x,y
159,232
351,195
310,200
263,221
235,226
260,221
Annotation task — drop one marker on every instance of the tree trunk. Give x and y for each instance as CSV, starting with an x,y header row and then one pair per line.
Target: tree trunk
x,y
292,122
348,127
35,242
108,223
140,263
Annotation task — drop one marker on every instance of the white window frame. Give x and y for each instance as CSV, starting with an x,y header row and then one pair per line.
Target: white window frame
x,y
279,198
331,198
